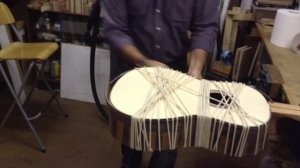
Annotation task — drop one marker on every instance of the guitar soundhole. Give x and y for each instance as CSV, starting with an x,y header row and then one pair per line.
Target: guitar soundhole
x,y
217,100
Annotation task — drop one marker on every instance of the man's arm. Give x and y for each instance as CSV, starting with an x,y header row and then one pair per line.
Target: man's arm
x,y
117,31
204,29
197,60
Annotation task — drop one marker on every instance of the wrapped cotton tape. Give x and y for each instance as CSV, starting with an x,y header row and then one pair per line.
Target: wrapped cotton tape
x,y
286,26
296,44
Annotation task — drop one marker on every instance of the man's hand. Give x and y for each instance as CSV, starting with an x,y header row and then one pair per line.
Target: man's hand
x,y
133,54
196,61
152,63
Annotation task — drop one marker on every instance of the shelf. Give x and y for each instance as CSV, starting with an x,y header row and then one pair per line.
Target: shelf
x,y
57,12
64,27
56,32
48,31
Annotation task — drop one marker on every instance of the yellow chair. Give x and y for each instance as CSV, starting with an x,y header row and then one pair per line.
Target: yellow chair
x,y
37,54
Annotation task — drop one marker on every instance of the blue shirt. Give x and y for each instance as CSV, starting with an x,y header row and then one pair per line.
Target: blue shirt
x,y
158,28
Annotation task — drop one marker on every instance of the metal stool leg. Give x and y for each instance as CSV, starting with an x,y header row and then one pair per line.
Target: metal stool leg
x,y
19,104
18,93
54,92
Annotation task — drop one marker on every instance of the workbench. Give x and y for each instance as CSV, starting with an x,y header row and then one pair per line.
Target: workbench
x,y
288,64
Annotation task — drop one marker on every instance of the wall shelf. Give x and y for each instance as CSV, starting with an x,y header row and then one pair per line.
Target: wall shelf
x,y
53,26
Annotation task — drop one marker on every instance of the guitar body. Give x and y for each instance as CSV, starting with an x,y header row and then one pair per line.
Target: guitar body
x,y
162,109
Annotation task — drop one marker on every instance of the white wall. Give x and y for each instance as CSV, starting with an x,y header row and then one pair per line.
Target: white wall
x,y
75,72
13,67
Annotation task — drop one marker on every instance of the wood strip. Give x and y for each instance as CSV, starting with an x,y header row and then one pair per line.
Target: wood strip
x,y
244,17
233,36
235,64
243,64
285,106
286,110
258,52
227,32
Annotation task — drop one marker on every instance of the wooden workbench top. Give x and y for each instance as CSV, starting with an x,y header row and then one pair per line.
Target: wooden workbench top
x,y
288,64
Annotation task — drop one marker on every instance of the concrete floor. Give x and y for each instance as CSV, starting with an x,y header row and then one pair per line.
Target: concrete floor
x,y
83,140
